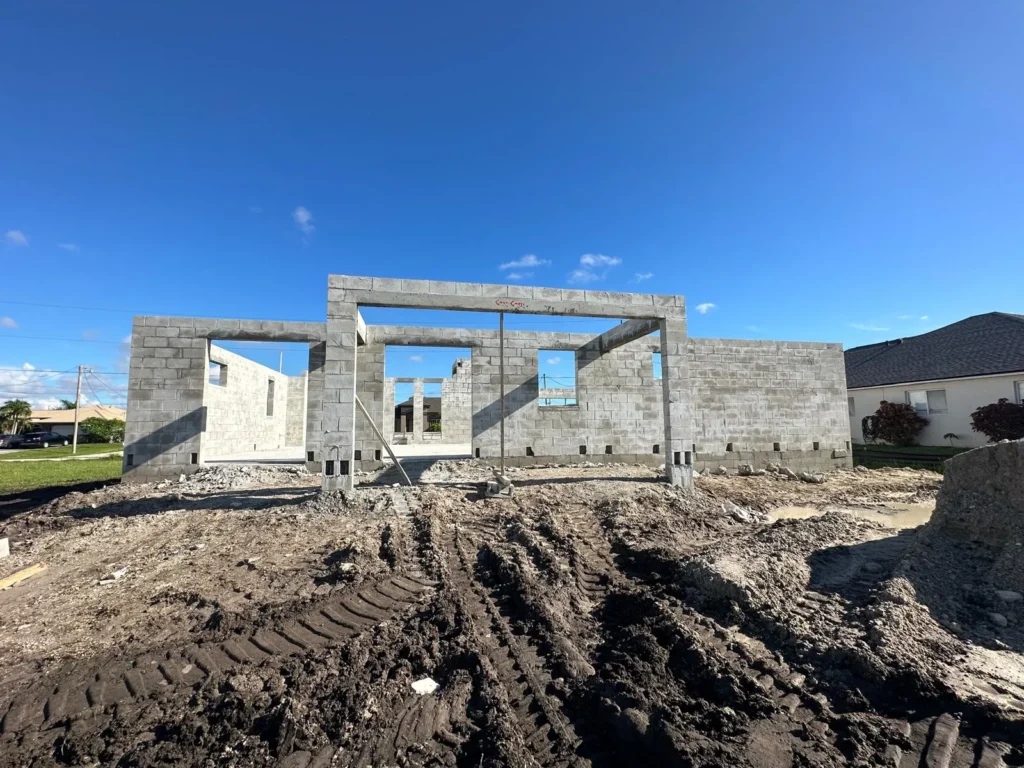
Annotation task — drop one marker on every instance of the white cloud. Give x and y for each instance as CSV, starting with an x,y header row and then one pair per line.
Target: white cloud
x,y
904,317
16,237
639,277
924,317
582,276
529,260
599,260
90,334
8,322
68,247
867,327
40,390
754,328
704,308
518,275
303,220
593,266
554,360
416,358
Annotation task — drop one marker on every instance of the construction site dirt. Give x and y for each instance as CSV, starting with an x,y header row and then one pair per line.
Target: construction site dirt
x,y
597,618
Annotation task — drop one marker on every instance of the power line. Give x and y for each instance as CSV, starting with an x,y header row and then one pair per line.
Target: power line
x,y
55,338
45,370
548,319
69,306
93,390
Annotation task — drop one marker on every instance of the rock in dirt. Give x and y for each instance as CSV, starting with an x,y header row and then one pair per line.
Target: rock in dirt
x,y
425,685
1009,596
810,477
787,472
998,619
738,513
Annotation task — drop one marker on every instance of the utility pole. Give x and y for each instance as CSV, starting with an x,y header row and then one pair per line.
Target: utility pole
x,y
78,401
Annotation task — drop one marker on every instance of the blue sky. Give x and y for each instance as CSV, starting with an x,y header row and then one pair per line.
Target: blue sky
x,y
841,172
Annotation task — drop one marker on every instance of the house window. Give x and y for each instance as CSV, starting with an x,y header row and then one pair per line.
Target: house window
x,y
556,378
218,374
850,406
927,402
1018,388
270,397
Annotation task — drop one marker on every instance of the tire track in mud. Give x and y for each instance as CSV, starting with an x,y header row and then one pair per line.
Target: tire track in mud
x,y
942,739
547,732
90,691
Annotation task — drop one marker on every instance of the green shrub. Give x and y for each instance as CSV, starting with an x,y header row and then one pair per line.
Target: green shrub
x,y
898,423
999,421
103,430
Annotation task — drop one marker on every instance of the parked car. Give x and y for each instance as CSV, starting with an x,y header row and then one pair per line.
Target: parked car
x,y
43,440
11,441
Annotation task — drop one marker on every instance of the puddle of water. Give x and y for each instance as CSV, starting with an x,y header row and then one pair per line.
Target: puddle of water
x,y
893,515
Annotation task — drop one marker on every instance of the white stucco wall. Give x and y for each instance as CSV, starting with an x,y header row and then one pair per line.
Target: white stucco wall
x,y
962,397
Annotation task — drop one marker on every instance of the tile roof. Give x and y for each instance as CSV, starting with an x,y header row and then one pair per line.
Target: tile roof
x,y
42,418
978,345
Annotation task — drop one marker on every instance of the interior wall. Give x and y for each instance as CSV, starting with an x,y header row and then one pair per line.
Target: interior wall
x,y
236,414
618,400
457,403
295,421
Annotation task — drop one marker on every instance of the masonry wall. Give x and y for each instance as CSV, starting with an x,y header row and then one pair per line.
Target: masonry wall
x,y
457,404
751,397
236,414
618,409
167,381
295,419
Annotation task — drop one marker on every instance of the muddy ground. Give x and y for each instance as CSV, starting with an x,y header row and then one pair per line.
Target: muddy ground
x,y
597,618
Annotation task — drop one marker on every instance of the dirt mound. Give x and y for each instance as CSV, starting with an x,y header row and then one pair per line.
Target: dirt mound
x,y
967,564
603,622
842,487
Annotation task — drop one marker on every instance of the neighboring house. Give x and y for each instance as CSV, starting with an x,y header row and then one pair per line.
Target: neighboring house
x,y
944,374
63,422
431,415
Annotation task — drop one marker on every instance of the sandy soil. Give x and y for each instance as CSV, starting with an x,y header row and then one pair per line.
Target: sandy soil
x,y
596,618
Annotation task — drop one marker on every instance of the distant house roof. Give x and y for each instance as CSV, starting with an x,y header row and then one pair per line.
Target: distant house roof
x,y
977,346
50,418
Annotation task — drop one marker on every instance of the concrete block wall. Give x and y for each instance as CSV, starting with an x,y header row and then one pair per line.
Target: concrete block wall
x,y
753,397
236,413
295,421
618,403
370,386
457,404
167,383
315,404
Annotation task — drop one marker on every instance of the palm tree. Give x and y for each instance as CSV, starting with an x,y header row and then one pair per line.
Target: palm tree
x,y
14,413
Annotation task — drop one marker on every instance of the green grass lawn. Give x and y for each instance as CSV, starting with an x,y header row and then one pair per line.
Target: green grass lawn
x,y
84,449
942,451
43,474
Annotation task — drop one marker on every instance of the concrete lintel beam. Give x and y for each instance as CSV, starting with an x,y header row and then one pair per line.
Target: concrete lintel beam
x,y
223,329
400,336
360,328
481,297
620,335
